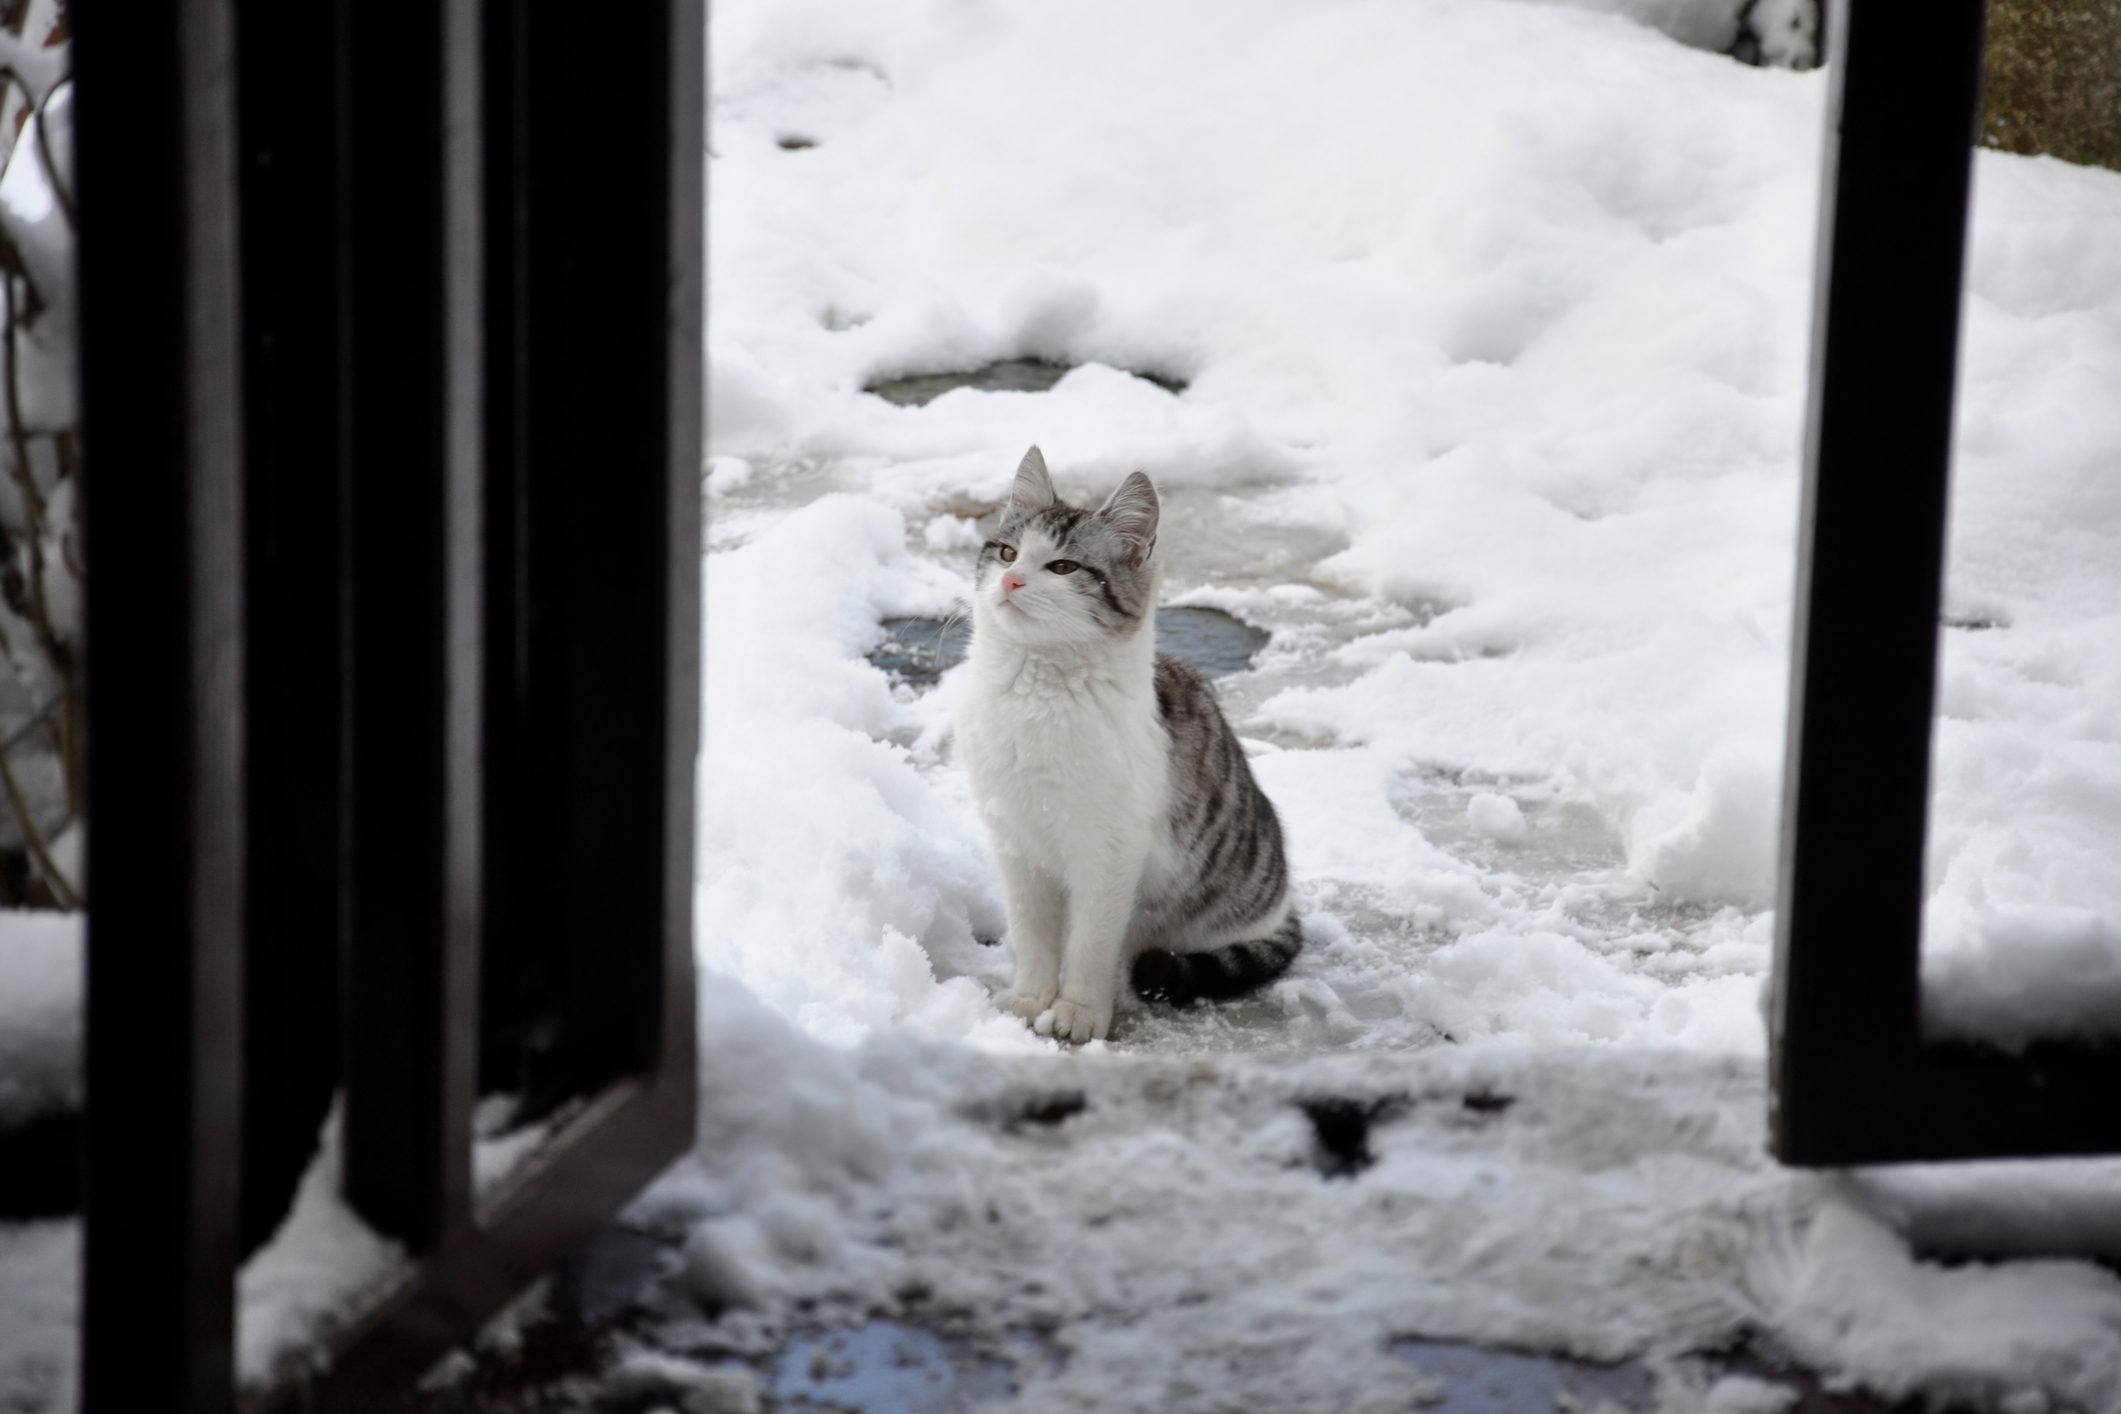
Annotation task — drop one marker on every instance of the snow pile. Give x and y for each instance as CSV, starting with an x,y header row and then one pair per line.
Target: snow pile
x,y
40,1295
42,991
835,880
2023,930
1782,32
323,1269
2025,1335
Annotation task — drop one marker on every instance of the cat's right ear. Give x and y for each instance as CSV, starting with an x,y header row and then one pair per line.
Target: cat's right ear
x,y
1033,489
1132,512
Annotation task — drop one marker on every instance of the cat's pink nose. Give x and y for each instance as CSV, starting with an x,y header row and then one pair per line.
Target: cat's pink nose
x,y
1011,581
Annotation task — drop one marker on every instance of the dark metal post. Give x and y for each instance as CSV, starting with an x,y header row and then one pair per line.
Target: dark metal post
x,y
685,417
293,644
162,432
1854,1078
1901,112
398,688
594,397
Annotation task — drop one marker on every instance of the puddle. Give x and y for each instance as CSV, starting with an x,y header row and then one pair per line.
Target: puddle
x,y
1209,639
1011,375
1477,1381
883,1368
919,651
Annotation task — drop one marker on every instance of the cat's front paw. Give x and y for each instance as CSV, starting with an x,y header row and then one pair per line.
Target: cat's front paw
x,y
1081,1021
1028,1005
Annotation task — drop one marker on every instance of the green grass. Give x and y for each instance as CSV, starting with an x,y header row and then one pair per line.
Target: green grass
x,y
2054,79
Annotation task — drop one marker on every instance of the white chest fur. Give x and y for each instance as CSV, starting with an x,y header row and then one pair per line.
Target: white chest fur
x,y
1065,750
1071,767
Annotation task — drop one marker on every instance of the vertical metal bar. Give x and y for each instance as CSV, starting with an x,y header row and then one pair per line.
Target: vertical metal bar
x,y
215,362
685,342
1845,1034
396,1001
595,321
293,648
162,438
464,568
520,990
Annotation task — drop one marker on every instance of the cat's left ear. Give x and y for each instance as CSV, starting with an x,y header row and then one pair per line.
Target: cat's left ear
x,y
1032,491
1132,514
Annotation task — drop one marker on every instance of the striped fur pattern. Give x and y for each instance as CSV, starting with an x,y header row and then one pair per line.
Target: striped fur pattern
x,y
1233,872
1128,833
1219,974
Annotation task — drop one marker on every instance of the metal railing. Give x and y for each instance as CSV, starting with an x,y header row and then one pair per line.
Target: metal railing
x,y
392,450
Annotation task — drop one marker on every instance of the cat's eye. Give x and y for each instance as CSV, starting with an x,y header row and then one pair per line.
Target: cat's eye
x,y
1007,552
1064,567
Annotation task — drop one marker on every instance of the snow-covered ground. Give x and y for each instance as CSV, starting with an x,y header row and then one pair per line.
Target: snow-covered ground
x,y
1492,320
1494,317
41,992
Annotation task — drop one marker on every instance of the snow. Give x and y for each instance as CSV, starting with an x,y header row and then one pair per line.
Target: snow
x,y
2023,927
42,982
1163,1226
877,856
1493,320
41,992
322,1269
1354,466
40,1293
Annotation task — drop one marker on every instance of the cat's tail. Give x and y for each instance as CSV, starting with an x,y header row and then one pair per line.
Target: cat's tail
x,y
1181,978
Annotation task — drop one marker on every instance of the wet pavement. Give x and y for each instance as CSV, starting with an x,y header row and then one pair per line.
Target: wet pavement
x,y
583,1350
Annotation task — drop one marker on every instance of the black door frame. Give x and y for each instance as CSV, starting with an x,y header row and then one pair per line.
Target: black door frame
x,y
1854,1079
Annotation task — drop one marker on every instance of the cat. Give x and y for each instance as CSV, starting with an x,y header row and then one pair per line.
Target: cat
x,y
1125,824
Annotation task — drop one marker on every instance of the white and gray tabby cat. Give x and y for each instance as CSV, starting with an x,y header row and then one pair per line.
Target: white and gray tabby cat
x,y
1125,822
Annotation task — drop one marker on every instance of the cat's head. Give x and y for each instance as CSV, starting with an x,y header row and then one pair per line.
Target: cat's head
x,y
1061,574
